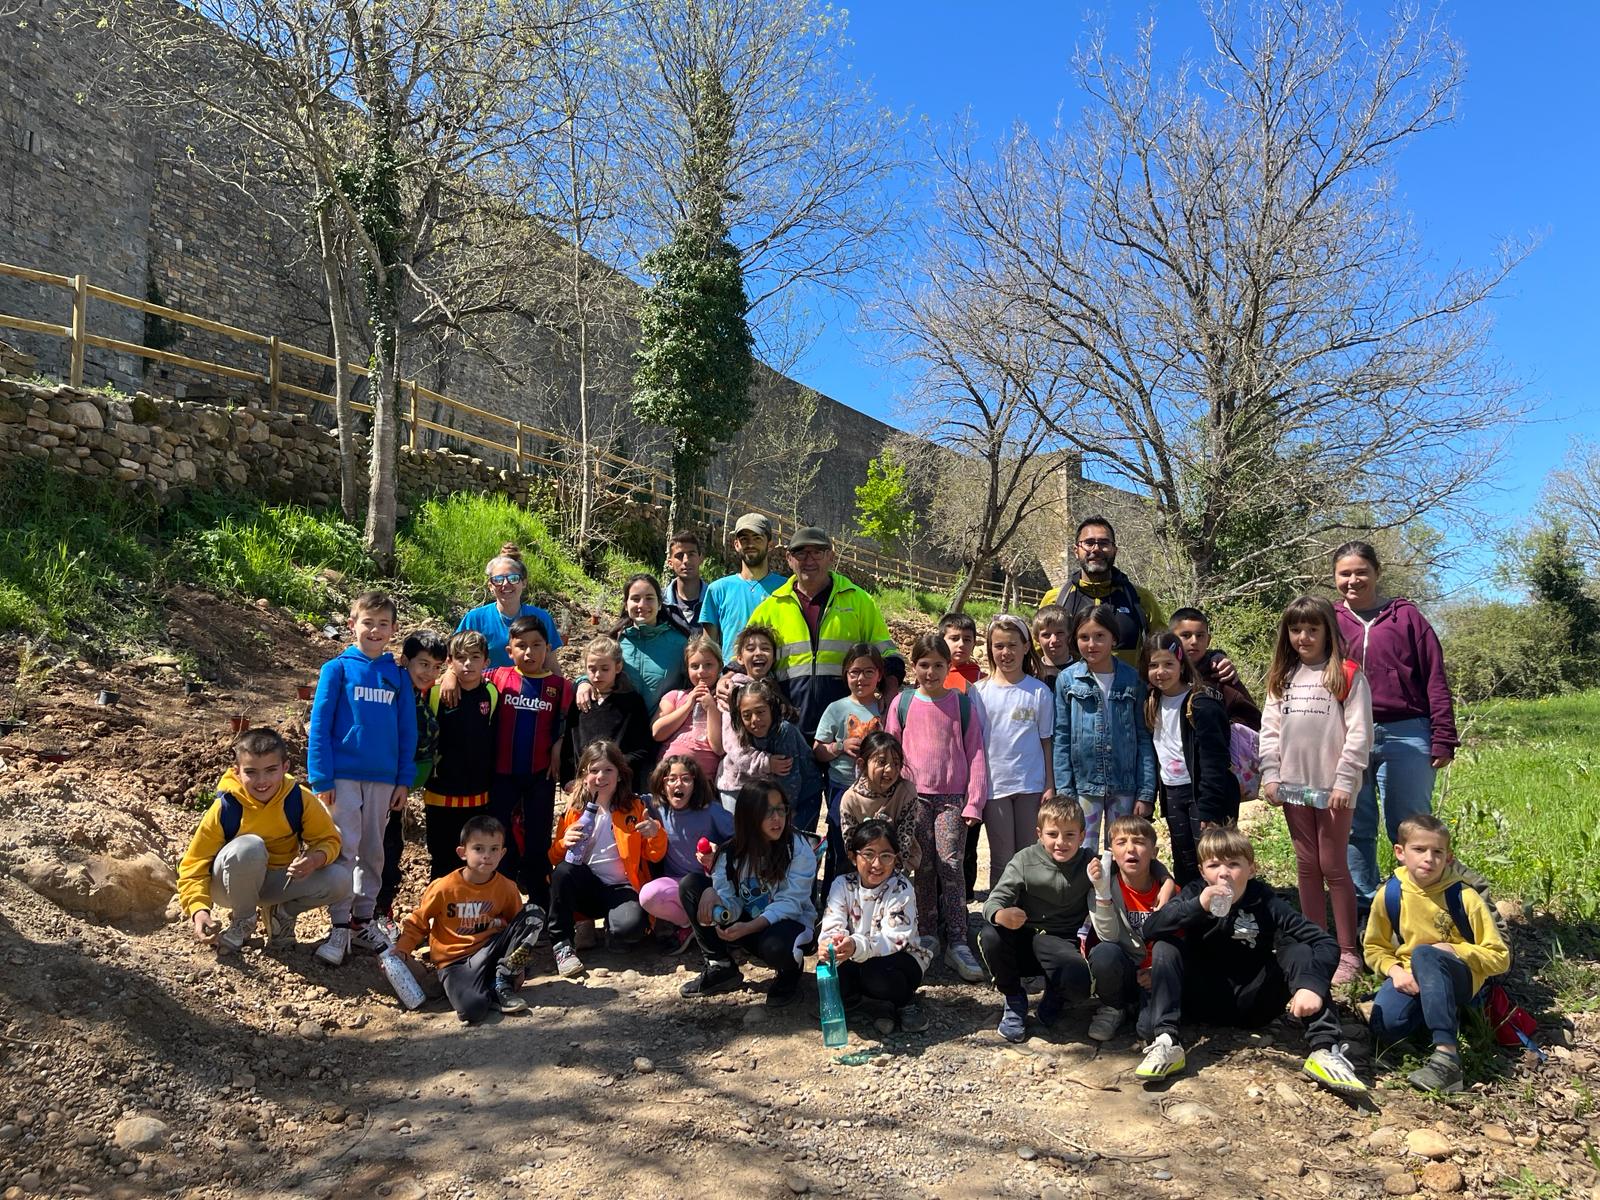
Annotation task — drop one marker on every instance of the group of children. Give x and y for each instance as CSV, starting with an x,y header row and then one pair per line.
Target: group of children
x,y
698,821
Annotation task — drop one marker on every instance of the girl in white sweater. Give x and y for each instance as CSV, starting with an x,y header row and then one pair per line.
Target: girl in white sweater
x,y
1316,735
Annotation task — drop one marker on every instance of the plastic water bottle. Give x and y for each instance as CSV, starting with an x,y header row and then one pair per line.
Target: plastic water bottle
x,y
401,979
830,1004
585,824
699,720
1222,904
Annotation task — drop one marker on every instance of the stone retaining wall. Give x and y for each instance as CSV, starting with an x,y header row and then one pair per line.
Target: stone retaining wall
x,y
173,447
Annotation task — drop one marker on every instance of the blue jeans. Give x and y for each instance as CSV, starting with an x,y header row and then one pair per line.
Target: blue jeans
x,y
1444,984
1401,769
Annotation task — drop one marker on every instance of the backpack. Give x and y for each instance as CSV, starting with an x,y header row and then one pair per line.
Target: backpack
x,y
230,812
1244,759
1510,1022
963,703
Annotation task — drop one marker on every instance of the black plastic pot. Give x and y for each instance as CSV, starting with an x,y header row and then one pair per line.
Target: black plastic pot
x,y
107,698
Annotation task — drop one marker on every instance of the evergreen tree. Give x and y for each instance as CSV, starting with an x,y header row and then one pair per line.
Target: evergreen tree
x,y
695,359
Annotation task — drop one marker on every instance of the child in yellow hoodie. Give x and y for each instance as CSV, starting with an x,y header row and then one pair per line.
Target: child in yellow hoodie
x,y
265,843
1436,941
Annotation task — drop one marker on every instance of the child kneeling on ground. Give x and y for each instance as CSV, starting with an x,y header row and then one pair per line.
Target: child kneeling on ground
x,y
1129,885
266,843
1436,941
480,935
871,924
757,896
1032,916
1243,954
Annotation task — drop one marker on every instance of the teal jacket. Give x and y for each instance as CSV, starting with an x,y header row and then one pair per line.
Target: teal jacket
x,y
652,658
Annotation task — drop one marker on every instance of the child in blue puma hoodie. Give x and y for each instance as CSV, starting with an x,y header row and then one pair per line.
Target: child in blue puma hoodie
x,y
359,751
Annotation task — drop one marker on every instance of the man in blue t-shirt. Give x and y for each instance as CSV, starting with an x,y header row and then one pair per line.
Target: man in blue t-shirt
x,y
729,601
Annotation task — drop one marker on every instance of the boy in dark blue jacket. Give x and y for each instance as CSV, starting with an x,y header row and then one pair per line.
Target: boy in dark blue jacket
x,y
359,760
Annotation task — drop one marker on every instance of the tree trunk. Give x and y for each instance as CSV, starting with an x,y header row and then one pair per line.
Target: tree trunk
x,y
958,602
688,474
343,417
380,528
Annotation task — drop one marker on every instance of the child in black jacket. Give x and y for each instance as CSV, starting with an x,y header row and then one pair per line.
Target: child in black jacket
x,y
1243,967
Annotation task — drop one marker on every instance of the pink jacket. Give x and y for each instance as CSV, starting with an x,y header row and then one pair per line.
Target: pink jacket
x,y
940,760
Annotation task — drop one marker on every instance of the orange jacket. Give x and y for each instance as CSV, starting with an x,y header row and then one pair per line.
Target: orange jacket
x,y
634,850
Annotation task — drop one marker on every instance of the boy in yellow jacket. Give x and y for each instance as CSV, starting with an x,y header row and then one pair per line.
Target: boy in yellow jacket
x,y
1435,940
265,843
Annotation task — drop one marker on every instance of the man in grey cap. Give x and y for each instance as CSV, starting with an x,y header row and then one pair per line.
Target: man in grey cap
x,y
818,615
729,601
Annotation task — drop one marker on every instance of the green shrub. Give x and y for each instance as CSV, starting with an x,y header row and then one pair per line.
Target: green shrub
x,y
446,542
1246,632
276,552
1497,650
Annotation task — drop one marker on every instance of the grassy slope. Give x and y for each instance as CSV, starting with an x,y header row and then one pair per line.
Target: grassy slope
x,y
1523,798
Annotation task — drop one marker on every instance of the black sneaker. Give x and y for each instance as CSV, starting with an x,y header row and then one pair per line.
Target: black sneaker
x,y
505,995
784,990
717,977
912,1019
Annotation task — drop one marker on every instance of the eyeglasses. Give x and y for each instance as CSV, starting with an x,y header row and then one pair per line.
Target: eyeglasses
x,y
808,551
881,859
777,810
508,577
1096,543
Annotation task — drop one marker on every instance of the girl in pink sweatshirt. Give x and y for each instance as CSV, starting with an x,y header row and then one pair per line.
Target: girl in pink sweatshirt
x,y
1316,734
941,732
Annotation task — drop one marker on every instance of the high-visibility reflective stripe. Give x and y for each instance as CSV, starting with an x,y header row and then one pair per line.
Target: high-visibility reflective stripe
x,y
837,645
809,669
886,647
790,649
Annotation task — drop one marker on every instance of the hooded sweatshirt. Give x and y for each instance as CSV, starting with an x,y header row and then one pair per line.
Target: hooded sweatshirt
x,y
1425,920
1404,664
1137,610
267,821
363,723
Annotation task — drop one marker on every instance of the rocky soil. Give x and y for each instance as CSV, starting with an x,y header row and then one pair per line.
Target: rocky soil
x,y
134,1063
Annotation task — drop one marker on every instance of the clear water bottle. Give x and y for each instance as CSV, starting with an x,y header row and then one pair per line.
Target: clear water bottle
x,y
1222,904
401,979
1102,887
699,720
585,826
830,1004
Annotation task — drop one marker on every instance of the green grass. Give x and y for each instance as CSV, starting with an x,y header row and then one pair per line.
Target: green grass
x,y
903,602
1523,802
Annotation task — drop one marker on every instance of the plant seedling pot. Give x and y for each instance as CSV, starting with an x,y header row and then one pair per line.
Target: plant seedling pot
x,y
106,698
9,726
192,687
239,722
306,691
53,756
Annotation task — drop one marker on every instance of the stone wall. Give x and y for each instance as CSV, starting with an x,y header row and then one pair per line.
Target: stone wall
x,y
173,447
89,185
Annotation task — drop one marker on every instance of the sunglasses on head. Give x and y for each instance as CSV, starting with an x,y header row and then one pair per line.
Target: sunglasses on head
x,y
508,577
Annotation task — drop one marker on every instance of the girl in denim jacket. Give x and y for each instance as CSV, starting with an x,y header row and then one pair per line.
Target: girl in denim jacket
x,y
1103,754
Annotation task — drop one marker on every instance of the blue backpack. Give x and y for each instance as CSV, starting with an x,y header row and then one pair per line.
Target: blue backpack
x,y
230,812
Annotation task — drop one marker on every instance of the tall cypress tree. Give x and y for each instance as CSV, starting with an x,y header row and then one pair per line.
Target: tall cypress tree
x,y
695,357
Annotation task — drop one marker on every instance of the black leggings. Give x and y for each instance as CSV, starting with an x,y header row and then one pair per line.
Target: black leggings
x,y
774,945
893,978
1183,825
575,888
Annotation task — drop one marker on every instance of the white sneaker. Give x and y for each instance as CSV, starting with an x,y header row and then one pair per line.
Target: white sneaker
x,y
369,938
960,958
1331,1069
232,939
336,949
1164,1057
1104,1024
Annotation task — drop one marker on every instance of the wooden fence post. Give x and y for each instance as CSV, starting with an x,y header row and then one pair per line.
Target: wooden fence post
x,y
412,444
274,372
517,458
80,328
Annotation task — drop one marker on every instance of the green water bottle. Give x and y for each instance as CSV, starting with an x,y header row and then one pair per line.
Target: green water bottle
x,y
830,1004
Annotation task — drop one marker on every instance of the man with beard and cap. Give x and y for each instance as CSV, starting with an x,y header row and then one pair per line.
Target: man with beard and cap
x,y
1097,581
726,603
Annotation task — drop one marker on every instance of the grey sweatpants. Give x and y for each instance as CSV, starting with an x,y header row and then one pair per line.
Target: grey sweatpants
x,y
1011,823
241,881
360,811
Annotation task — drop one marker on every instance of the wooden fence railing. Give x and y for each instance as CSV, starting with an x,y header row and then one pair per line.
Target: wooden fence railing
x,y
527,446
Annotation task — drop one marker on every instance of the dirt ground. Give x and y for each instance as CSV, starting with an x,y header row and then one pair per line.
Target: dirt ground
x,y
272,1077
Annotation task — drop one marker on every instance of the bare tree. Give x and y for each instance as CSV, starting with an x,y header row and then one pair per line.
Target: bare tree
x,y
1572,494
813,163
1252,336
981,393
395,115
784,443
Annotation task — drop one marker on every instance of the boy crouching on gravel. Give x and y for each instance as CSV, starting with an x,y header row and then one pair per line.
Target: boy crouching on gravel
x,y
1244,954
267,843
480,935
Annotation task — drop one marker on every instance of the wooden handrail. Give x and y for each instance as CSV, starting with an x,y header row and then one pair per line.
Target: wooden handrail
x,y
627,473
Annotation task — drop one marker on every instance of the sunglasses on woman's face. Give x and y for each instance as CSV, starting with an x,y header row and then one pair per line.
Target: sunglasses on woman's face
x,y
508,577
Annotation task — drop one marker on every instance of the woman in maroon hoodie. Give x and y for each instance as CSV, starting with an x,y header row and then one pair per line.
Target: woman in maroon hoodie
x,y
1414,720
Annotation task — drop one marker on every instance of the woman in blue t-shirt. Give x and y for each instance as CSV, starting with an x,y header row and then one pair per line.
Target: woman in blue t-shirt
x,y
506,578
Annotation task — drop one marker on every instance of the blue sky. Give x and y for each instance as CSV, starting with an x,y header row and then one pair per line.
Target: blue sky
x,y
1521,160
